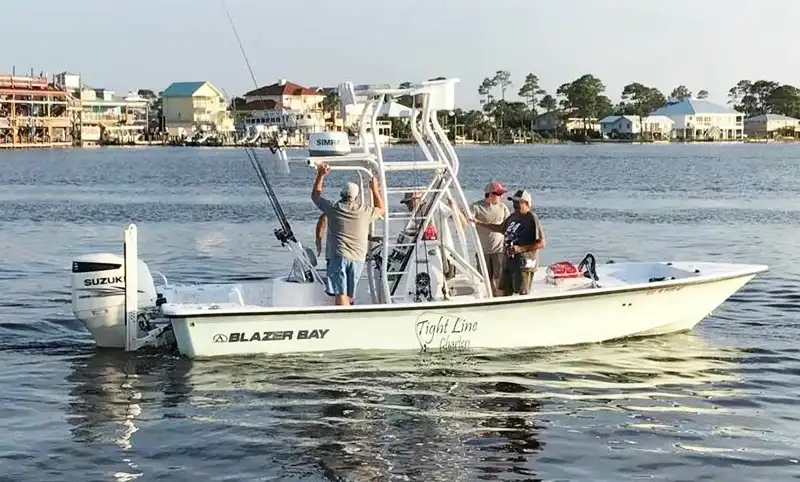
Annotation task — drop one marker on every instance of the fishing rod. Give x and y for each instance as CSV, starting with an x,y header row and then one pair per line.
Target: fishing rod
x,y
285,232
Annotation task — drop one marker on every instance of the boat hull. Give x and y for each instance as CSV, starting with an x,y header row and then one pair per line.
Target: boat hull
x,y
513,322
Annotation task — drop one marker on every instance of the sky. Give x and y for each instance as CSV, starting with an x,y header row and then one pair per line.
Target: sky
x,y
126,45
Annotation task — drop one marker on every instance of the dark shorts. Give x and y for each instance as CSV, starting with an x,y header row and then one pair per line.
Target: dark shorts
x,y
515,278
494,264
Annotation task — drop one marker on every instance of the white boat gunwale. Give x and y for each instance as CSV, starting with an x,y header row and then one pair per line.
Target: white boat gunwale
x,y
745,271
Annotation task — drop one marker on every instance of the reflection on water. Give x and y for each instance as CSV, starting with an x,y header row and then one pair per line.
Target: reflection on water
x,y
109,392
379,416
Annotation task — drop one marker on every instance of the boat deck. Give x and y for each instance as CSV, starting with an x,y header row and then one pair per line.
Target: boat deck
x,y
238,297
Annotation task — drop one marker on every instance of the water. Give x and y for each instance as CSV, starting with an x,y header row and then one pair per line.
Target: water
x,y
715,404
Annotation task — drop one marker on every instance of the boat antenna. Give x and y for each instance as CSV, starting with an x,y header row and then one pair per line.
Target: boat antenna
x,y
284,233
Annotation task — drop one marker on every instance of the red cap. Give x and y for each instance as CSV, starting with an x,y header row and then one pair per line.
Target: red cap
x,y
494,187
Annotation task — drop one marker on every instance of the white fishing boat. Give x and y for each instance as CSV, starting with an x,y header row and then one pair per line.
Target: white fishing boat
x,y
420,291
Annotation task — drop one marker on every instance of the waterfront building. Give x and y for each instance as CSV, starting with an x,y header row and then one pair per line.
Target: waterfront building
x,y
292,109
285,106
767,126
195,110
559,120
696,119
629,126
103,117
33,113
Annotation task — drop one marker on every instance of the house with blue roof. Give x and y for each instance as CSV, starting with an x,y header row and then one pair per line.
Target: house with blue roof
x,y
771,125
696,119
188,107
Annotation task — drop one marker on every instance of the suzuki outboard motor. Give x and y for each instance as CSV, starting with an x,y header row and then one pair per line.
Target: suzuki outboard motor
x,y
98,296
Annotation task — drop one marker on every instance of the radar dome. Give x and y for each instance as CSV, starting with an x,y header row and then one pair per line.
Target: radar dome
x,y
328,144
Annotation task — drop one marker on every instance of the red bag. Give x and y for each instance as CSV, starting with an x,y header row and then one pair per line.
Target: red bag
x,y
563,270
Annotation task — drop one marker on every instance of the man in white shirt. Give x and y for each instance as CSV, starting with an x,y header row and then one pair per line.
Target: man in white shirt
x,y
491,210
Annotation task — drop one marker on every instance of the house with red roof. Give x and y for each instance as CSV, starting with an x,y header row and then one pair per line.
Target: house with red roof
x,y
284,104
288,95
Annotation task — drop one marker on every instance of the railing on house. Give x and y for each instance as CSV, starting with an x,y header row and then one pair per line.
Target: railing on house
x,y
23,82
711,133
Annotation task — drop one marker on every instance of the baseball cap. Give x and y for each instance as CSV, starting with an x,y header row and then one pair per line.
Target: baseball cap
x,y
350,191
494,186
409,196
522,195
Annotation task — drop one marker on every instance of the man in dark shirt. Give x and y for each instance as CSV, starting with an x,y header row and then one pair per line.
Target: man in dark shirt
x,y
523,240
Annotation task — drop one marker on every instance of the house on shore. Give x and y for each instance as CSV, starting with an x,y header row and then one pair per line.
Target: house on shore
x,y
101,116
629,126
191,108
283,105
34,112
767,126
695,119
559,120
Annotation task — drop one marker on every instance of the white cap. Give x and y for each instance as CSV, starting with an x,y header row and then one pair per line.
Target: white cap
x,y
350,191
523,196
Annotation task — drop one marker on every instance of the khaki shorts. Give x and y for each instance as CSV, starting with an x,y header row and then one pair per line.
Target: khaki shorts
x,y
494,264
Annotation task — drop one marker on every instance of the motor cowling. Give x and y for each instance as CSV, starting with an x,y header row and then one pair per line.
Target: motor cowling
x,y
98,295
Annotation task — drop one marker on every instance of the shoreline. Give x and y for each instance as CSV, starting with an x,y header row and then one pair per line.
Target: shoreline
x,y
18,147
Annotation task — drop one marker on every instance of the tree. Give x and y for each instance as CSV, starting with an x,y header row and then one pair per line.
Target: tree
x,y
517,115
681,93
642,100
330,104
237,103
762,89
530,90
502,79
548,103
740,96
703,94
762,97
475,124
154,108
765,97
485,90
584,98
784,100
147,94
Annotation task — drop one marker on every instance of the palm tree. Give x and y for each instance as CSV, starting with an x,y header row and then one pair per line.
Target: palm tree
x,y
330,104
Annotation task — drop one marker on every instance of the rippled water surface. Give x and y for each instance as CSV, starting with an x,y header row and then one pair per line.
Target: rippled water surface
x,y
719,403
